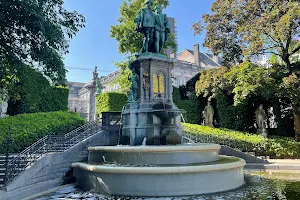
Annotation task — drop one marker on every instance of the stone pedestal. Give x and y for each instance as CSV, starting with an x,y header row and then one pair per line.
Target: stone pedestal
x,y
262,131
154,116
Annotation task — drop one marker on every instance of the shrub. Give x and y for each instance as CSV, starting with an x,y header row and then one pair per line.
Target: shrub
x,y
275,147
33,93
28,128
111,101
238,117
193,108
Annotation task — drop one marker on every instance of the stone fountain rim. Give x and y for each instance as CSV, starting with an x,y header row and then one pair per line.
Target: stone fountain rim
x,y
167,149
162,170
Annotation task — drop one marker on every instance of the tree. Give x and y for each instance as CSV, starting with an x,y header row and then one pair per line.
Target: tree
x,y
36,33
247,28
129,41
272,84
210,81
248,79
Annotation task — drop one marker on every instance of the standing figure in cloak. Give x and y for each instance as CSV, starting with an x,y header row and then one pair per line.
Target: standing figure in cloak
x,y
145,24
162,29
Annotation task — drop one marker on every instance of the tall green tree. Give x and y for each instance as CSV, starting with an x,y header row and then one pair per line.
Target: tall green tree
x,y
247,28
211,81
36,33
272,84
129,41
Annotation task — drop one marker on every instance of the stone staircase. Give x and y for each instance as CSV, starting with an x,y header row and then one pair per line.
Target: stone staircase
x,y
2,167
50,143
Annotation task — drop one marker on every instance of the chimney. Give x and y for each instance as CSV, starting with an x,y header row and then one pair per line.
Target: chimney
x,y
215,58
196,54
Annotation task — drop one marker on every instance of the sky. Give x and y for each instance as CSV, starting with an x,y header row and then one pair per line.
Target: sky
x,y
93,46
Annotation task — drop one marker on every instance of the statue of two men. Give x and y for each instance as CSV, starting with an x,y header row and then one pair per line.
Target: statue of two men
x,y
154,26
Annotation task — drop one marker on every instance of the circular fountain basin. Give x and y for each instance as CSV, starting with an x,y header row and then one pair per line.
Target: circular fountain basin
x,y
161,180
156,155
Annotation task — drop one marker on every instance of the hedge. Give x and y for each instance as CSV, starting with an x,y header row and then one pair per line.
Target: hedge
x,y
192,106
275,147
28,128
111,101
33,93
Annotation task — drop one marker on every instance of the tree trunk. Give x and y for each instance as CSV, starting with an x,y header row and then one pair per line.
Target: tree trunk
x,y
296,120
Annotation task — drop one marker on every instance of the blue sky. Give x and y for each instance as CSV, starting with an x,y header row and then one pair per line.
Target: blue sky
x,y
93,46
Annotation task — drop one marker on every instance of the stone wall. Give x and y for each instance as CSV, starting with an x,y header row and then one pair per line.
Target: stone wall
x,y
48,172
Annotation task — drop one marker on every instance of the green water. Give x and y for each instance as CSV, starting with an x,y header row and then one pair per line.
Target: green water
x,y
259,186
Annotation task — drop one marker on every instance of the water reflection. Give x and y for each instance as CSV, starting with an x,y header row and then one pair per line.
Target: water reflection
x,y
258,187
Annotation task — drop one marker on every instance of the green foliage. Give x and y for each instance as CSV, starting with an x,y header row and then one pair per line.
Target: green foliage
x,y
37,32
275,147
248,79
111,101
7,78
33,93
237,117
192,109
189,88
193,106
28,128
210,81
176,95
248,28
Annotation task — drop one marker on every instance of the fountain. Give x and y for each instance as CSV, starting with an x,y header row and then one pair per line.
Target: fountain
x,y
152,159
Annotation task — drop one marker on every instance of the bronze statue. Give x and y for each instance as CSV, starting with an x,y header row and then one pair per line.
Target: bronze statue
x,y
134,86
95,74
162,29
145,24
154,26
98,86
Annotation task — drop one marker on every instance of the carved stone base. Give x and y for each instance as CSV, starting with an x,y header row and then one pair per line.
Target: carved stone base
x,y
154,118
262,131
210,125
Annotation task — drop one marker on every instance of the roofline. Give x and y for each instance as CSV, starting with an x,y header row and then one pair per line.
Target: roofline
x,y
212,59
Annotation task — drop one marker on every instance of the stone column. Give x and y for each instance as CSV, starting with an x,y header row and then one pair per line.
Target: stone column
x,y
92,103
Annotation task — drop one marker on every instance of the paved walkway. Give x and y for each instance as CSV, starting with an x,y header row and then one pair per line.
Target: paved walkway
x,y
275,164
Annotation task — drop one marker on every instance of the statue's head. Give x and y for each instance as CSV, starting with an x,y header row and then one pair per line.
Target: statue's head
x,y
148,3
158,9
261,106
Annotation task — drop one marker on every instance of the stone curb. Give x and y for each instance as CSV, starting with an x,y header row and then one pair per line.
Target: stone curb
x,y
274,166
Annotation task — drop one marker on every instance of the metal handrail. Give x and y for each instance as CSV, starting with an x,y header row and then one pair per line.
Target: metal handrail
x,y
49,143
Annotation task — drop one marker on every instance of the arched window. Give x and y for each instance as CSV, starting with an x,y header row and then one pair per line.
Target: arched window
x,y
159,84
